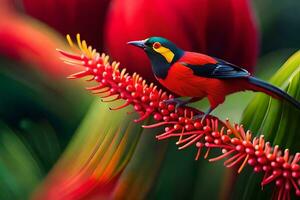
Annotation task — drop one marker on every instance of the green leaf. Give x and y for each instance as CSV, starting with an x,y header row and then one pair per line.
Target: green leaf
x,y
19,170
37,120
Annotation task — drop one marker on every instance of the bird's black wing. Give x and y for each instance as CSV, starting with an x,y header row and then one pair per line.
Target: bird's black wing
x,y
220,70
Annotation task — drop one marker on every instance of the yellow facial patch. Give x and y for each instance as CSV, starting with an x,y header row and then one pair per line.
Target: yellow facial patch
x,y
165,52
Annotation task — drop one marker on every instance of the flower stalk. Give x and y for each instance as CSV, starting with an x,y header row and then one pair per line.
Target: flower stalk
x,y
237,146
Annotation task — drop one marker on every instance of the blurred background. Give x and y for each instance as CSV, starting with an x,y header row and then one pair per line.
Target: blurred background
x,y
59,142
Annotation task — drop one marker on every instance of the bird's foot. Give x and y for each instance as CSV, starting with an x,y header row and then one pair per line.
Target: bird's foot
x,y
178,102
200,116
203,116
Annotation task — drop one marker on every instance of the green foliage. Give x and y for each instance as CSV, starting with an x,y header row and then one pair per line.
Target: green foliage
x,y
277,120
37,118
19,171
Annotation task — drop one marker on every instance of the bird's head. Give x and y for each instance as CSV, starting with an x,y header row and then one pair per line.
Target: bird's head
x,y
161,52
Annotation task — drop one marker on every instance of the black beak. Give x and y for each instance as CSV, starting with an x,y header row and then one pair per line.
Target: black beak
x,y
138,43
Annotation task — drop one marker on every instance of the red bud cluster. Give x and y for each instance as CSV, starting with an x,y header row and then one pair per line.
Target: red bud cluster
x,y
237,146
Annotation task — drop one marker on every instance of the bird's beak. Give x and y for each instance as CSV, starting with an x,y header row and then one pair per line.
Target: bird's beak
x,y
138,43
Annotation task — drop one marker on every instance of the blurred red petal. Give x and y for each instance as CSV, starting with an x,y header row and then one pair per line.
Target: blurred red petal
x,y
82,188
72,16
26,40
223,28
239,39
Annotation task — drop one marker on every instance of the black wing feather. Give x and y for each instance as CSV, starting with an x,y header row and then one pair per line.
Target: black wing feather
x,y
221,70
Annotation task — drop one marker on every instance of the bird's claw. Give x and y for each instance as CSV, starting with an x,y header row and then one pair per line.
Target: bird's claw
x,y
178,103
200,116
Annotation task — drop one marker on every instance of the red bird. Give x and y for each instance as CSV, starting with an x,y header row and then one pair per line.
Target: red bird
x,y
196,75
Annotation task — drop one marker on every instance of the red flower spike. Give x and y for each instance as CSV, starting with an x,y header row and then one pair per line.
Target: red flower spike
x,y
236,145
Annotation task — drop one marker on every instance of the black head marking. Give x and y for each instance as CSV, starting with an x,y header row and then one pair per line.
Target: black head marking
x,y
161,52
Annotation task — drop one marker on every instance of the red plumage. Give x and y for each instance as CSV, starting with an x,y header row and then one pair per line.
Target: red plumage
x,y
182,81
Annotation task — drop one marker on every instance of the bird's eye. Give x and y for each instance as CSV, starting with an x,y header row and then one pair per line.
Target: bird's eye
x,y
156,45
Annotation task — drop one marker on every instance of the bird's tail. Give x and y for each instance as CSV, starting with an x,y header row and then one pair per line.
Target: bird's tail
x,y
260,85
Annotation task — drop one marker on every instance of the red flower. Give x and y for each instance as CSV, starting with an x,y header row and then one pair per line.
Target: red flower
x,y
71,16
223,28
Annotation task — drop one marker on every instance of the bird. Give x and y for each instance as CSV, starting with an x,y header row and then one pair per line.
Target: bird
x,y
196,75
